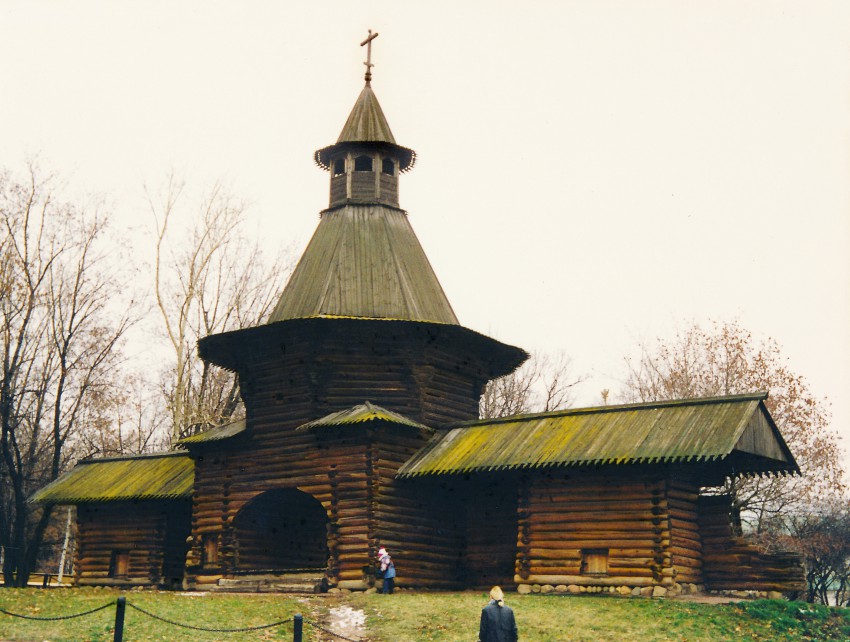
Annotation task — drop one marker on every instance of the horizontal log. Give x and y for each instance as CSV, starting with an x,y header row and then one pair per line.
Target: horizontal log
x,y
571,520
573,570
682,525
611,543
581,505
682,495
682,561
596,529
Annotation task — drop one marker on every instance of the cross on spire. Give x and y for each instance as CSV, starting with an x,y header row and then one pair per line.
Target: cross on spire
x,y
368,63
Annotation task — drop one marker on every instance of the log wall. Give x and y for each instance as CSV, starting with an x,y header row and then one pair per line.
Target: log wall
x,y
734,563
155,540
416,522
490,530
326,368
334,475
349,471
686,550
567,519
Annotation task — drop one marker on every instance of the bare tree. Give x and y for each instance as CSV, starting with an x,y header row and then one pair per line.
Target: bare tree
x,y
821,534
123,419
541,384
725,359
60,324
208,279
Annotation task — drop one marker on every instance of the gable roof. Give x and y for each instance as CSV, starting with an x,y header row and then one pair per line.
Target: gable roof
x,y
690,430
362,414
364,261
217,433
161,476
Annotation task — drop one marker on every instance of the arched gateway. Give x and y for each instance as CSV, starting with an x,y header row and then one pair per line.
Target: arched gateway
x,y
281,531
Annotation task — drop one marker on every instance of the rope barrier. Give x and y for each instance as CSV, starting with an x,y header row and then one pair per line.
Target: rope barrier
x,y
57,618
211,630
179,624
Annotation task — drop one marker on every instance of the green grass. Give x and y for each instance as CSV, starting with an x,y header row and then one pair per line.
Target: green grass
x,y
411,616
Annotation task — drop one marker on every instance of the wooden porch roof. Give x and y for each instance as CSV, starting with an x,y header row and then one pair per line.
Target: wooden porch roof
x,y
364,413
218,433
161,476
690,430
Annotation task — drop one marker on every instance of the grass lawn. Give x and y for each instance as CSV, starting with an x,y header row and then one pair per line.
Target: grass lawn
x,y
414,617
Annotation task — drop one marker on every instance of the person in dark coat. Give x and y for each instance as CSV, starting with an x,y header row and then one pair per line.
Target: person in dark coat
x,y
497,620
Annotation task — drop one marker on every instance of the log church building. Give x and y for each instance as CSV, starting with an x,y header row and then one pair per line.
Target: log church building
x,y
361,395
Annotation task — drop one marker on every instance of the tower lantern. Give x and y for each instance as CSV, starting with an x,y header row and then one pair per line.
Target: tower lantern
x,y
365,161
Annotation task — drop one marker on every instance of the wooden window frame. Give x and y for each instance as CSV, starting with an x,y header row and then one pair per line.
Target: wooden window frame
x,y
359,160
594,562
209,551
119,563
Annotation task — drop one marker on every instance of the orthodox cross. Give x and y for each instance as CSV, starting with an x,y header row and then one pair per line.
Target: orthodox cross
x,y
368,63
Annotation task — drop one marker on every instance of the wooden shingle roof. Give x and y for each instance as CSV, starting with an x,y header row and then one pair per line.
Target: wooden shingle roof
x,y
694,430
366,124
143,477
364,261
218,433
364,413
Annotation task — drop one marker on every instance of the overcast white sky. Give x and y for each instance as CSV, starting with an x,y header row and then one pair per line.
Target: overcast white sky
x,y
590,173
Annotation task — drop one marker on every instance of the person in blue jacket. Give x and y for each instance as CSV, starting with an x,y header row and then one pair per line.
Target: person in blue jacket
x,y
387,570
497,620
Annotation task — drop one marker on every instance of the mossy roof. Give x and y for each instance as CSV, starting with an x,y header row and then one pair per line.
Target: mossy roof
x,y
365,413
218,433
168,476
364,261
691,430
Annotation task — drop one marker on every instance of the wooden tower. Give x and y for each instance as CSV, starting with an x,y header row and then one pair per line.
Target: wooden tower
x,y
361,359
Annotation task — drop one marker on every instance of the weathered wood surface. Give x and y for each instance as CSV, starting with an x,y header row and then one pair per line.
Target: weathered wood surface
x,y
731,562
155,539
685,541
349,470
561,516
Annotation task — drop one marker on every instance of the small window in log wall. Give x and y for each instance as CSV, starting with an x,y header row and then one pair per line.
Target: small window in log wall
x,y
210,550
388,166
594,561
339,166
119,566
363,164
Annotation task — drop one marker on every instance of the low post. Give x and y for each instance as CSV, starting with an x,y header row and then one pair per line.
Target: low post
x,y
120,607
297,627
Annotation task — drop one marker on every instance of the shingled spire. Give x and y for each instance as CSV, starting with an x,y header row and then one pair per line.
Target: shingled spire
x,y
364,260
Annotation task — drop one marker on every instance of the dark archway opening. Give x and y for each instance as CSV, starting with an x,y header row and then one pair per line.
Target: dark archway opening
x,y
282,530
491,531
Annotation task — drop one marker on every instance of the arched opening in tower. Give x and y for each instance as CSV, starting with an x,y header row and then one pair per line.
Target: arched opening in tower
x,y
283,530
